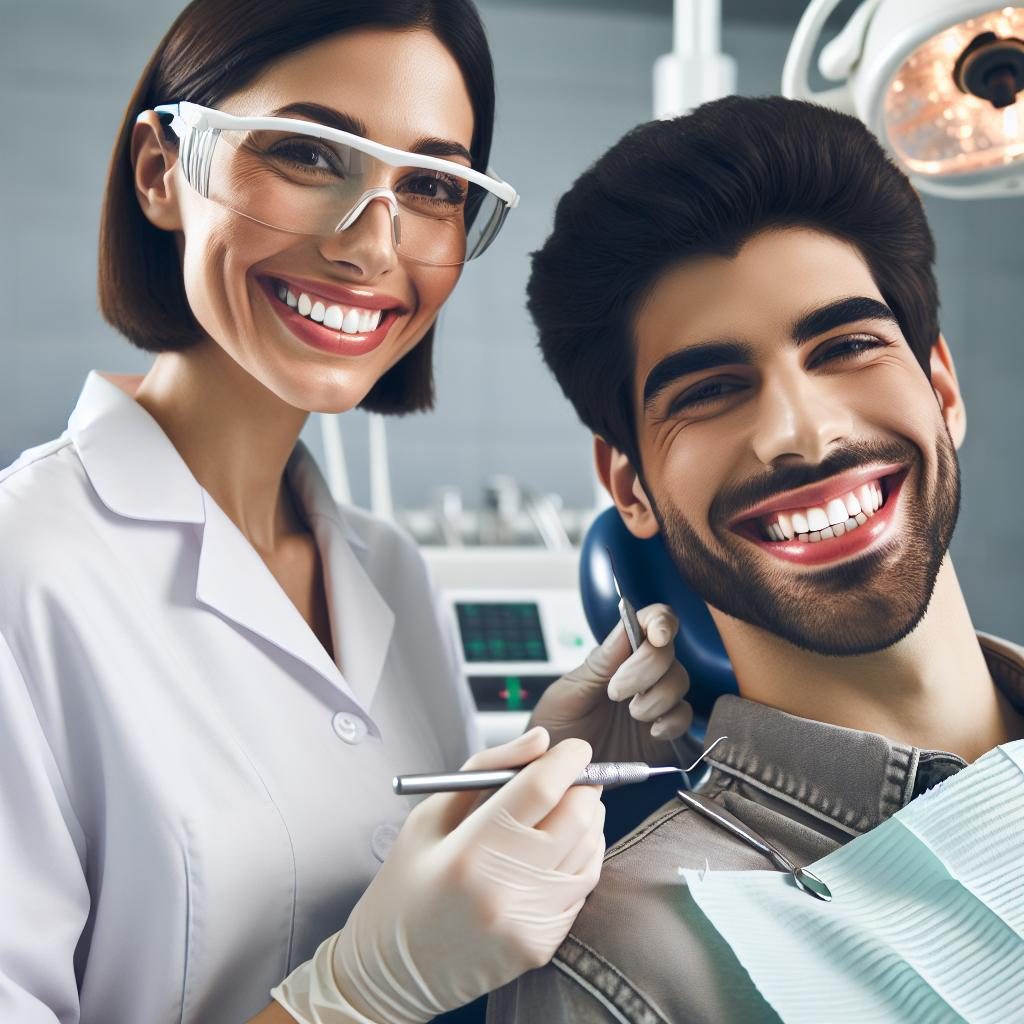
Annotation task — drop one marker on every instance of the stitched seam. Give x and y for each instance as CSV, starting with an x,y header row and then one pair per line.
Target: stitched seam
x,y
586,986
635,837
786,798
10,472
625,990
1006,665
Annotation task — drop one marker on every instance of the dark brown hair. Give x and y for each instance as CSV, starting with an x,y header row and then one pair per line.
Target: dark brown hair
x,y
703,184
214,48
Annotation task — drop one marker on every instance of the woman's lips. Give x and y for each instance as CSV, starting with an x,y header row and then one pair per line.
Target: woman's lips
x,y
324,338
878,527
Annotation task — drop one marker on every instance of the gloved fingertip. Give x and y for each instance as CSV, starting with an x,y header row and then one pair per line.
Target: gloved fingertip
x,y
585,749
532,735
660,632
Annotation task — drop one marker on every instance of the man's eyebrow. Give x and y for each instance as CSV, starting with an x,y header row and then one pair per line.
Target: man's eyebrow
x,y
426,146
729,352
838,313
691,360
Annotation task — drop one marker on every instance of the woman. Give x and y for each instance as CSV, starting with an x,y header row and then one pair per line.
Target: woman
x,y
209,673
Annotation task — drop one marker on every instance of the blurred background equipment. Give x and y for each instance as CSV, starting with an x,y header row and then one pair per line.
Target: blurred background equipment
x,y
940,82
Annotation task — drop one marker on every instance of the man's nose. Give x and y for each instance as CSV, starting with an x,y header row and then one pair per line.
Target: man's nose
x,y
367,244
798,417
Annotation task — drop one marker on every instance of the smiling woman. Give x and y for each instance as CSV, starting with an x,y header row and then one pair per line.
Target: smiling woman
x,y
209,672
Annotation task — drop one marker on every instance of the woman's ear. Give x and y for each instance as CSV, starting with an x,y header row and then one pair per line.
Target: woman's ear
x,y
153,161
622,482
947,391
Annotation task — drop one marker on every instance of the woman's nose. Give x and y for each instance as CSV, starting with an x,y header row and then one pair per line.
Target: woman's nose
x,y
798,416
367,243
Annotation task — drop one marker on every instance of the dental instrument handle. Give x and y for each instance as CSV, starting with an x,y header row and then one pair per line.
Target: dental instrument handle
x,y
598,773
635,636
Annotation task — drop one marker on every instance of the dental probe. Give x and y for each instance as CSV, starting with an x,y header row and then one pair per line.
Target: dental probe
x,y
597,773
635,636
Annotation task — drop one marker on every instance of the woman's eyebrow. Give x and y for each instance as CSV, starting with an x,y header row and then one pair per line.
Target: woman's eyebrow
x,y
426,146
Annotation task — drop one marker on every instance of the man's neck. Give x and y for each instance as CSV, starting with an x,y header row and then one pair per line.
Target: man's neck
x,y
930,690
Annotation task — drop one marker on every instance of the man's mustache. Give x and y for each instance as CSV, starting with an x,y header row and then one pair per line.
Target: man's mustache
x,y
728,503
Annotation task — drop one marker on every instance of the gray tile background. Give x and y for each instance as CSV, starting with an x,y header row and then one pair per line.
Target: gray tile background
x,y
572,77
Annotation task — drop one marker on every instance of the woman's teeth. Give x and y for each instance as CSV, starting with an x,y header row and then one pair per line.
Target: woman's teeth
x,y
838,516
347,319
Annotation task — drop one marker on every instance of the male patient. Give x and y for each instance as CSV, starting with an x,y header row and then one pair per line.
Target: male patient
x,y
741,306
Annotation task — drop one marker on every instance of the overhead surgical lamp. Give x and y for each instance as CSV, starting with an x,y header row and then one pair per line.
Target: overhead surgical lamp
x,y
940,82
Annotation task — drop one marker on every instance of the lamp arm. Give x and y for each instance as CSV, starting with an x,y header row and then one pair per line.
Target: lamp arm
x,y
795,82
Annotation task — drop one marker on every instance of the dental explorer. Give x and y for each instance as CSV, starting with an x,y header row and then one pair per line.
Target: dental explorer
x,y
598,773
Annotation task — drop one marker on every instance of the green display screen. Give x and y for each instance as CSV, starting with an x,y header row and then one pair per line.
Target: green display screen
x,y
505,631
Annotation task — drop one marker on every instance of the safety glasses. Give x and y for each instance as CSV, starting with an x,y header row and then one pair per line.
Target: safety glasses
x,y
308,179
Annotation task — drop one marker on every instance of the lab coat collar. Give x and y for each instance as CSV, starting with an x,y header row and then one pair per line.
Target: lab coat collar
x,y
129,460
137,472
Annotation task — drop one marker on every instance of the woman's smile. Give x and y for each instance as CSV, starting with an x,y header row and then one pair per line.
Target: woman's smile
x,y
332,318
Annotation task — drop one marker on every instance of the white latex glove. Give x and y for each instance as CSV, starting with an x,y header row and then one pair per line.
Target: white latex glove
x,y
469,897
590,702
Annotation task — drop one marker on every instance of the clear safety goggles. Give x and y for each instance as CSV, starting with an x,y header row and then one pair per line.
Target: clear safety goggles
x,y
308,179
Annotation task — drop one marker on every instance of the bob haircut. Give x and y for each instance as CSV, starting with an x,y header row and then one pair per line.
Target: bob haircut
x,y
214,48
702,185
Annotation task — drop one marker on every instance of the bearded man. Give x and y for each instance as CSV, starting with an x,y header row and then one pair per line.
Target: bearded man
x,y
741,306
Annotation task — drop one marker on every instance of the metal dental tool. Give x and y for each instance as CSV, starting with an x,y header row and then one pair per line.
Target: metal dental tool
x,y
635,635
804,878
599,773
627,612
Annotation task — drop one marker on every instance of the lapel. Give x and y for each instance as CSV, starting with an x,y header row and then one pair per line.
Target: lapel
x,y
362,622
137,473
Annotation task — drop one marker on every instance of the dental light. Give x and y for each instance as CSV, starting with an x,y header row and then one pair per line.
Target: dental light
x,y
940,82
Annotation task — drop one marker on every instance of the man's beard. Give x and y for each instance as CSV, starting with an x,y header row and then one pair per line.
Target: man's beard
x,y
858,606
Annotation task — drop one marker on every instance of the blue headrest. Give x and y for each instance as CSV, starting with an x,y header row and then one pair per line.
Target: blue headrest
x,y
647,575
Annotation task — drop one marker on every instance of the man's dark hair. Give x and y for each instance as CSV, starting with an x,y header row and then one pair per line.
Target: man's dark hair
x,y
702,185
214,48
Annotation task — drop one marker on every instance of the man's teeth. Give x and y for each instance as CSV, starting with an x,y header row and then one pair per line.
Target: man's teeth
x,y
838,516
347,319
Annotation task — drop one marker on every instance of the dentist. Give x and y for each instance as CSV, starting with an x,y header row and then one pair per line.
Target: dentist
x,y
209,673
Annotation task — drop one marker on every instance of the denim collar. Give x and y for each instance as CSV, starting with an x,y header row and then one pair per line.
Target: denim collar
x,y
850,779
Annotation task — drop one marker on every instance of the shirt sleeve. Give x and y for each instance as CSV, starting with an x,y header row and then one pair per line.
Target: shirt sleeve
x,y
44,898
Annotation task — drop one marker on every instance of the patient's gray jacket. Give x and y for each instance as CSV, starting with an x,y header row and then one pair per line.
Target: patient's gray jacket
x,y
641,951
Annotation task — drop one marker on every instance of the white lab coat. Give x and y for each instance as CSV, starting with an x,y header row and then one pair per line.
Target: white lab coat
x,y
192,794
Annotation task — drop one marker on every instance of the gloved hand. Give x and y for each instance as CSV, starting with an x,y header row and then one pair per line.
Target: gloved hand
x,y
590,702
476,890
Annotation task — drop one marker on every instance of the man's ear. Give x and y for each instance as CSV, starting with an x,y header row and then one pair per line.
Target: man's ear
x,y
947,391
622,482
153,160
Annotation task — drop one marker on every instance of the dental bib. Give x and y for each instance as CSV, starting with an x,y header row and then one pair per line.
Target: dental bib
x,y
926,921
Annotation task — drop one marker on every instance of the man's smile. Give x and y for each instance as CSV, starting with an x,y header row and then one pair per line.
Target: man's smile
x,y
837,518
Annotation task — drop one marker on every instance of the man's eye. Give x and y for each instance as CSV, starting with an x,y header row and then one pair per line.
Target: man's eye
x,y
848,348
703,394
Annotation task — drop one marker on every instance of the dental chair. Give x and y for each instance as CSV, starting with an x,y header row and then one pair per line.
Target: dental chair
x,y
647,575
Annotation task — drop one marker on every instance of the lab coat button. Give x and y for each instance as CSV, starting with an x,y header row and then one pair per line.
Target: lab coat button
x,y
349,728
383,839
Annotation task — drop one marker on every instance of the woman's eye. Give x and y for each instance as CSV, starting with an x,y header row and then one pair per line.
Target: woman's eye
x,y
305,155
703,394
437,188
848,348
